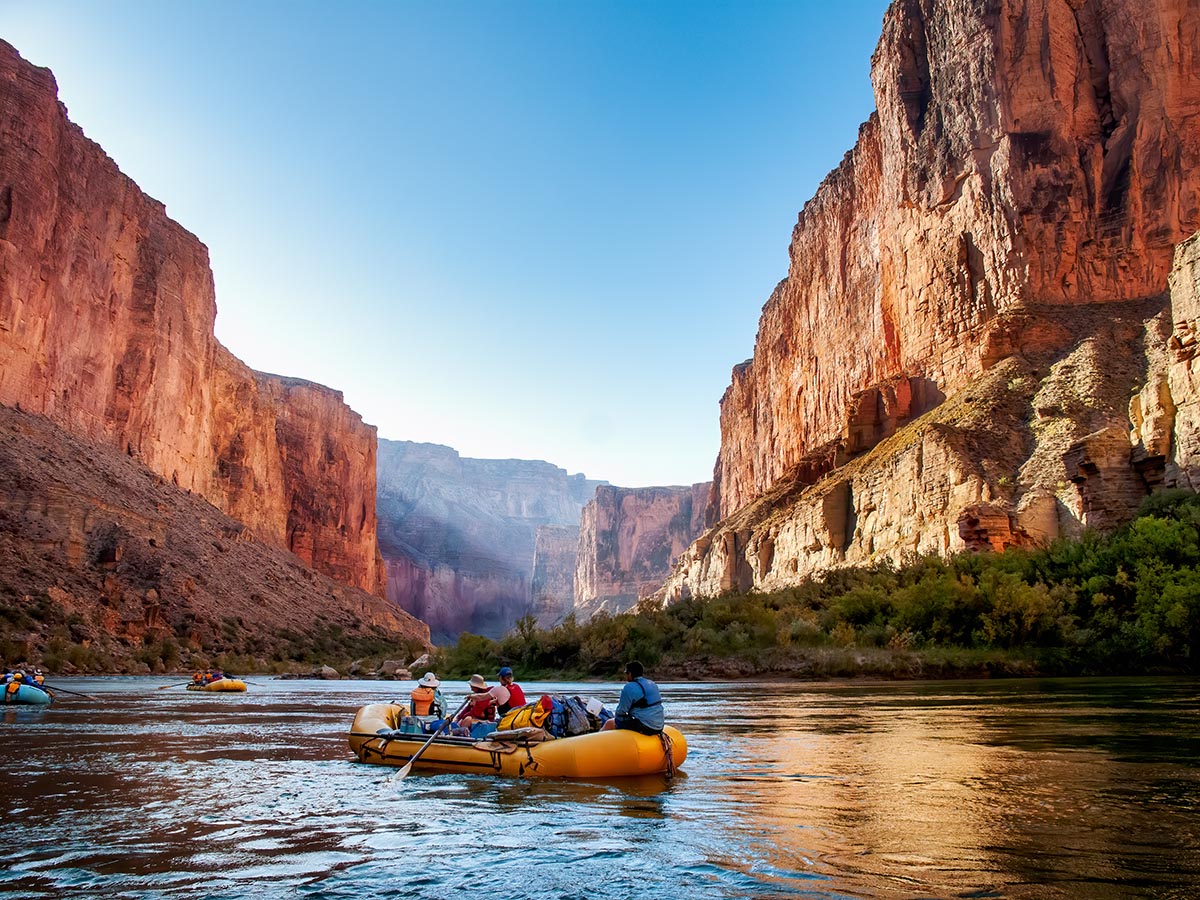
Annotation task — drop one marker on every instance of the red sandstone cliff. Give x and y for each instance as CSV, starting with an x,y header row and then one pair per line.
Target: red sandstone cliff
x,y
628,540
106,328
107,566
973,296
1022,153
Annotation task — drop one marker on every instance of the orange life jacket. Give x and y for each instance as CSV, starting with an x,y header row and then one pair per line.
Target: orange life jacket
x,y
422,700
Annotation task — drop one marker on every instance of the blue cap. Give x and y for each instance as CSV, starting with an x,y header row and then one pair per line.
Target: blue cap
x,y
505,671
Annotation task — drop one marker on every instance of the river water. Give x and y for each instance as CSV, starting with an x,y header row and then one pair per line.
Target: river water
x,y
1084,789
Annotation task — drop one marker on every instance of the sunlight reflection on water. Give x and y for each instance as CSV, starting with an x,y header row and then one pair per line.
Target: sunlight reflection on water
x,y
1075,789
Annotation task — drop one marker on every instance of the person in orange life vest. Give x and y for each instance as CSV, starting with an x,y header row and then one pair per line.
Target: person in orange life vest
x,y
516,696
483,702
426,698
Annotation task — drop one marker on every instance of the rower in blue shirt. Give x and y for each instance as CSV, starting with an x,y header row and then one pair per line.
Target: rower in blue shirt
x,y
640,707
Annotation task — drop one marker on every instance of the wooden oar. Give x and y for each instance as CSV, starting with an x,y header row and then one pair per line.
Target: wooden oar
x,y
55,687
399,776
165,686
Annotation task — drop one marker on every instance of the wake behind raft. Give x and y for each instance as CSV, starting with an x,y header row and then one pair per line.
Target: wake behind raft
x,y
522,752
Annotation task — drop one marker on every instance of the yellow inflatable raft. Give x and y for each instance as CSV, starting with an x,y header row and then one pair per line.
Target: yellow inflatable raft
x,y
221,684
602,754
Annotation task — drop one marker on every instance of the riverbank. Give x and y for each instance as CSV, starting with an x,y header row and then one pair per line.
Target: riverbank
x,y
1122,603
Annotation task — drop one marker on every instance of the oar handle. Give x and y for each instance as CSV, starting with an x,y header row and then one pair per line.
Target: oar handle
x,y
63,690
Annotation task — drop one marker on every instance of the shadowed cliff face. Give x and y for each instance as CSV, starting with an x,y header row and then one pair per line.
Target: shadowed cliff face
x,y
460,537
973,296
1023,153
629,538
106,328
99,553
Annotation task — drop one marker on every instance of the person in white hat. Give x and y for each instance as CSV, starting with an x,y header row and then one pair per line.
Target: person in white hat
x,y
426,698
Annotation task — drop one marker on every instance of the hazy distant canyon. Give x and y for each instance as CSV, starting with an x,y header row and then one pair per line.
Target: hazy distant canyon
x,y
475,544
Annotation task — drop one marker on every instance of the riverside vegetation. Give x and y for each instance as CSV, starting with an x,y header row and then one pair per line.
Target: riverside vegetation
x,y
1127,602
230,647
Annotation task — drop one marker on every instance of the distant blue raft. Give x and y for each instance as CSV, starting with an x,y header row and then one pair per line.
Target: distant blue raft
x,y
26,693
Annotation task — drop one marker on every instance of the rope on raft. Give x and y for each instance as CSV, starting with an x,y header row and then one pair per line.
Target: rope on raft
x,y
669,751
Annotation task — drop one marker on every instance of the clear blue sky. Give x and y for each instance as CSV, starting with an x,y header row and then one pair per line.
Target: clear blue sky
x,y
532,230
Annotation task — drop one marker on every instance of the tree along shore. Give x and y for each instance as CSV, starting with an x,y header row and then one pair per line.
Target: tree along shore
x,y
1125,602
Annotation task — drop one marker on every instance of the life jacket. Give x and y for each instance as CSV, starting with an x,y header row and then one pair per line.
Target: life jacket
x,y
423,700
516,697
480,707
531,715
649,697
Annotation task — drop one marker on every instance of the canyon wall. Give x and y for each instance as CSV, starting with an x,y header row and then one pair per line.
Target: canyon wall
x,y
1022,153
106,328
628,540
555,551
460,536
972,298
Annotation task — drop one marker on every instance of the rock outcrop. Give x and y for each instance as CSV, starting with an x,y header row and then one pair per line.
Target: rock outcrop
x,y
628,540
106,328
107,566
1166,414
460,536
972,297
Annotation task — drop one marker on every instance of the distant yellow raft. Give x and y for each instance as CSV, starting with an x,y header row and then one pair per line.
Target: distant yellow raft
x,y
602,754
221,684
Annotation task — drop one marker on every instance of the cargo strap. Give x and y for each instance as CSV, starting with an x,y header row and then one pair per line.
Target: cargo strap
x,y
669,750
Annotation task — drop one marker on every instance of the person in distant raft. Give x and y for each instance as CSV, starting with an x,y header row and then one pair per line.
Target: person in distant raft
x,y
516,696
426,698
640,707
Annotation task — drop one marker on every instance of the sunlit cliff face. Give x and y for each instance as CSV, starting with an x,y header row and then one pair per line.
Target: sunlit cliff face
x,y
973,297
1021,154
107,309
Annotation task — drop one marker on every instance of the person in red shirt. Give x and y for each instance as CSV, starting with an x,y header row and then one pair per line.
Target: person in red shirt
x,y
516,696
481,705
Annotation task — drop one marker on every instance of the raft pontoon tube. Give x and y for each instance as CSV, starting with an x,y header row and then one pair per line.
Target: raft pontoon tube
x,y
221,684
28,694
601,754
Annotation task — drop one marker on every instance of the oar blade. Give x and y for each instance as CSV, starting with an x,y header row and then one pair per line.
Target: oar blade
x,y
400,775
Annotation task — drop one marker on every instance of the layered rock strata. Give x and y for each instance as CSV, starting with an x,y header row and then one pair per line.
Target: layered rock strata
x,y
628,540
111,566
972,297
1022,153
460,536
106,328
